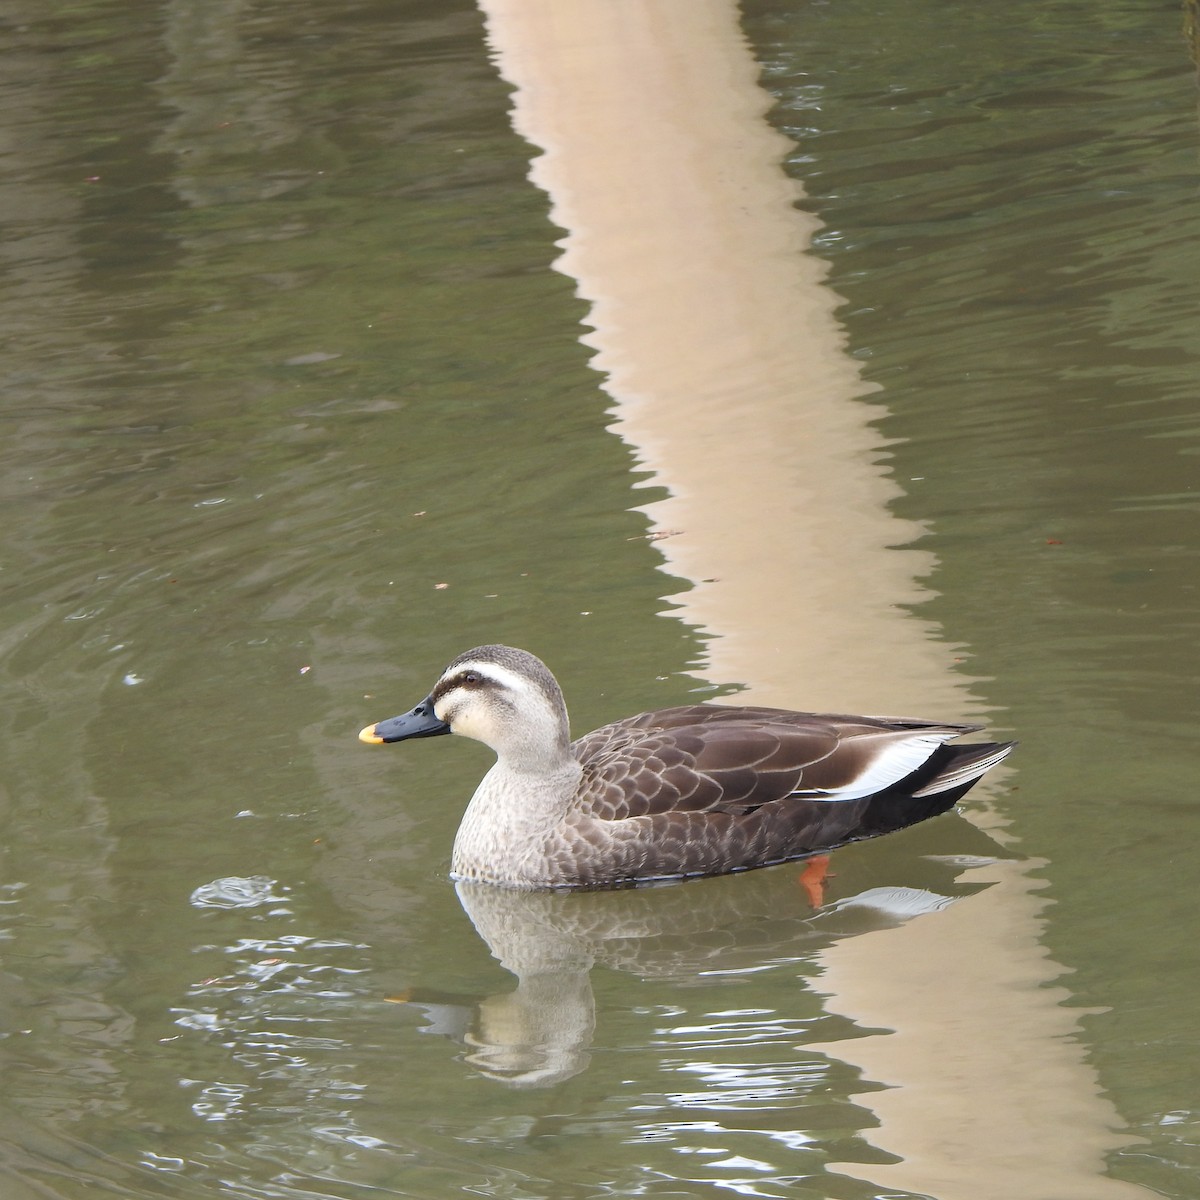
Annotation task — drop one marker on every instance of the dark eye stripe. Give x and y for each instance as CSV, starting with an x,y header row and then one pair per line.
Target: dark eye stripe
x,y
466,679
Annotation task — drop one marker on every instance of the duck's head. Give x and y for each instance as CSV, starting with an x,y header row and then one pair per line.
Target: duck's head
x,y
503,697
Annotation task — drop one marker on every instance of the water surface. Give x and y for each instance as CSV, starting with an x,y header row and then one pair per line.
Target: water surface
x,y
296,408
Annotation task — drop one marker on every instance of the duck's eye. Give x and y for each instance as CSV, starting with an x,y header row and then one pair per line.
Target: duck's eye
x,y
470,678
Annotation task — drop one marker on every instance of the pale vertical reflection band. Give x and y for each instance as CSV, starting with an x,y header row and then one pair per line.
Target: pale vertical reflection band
x,y
721,349
733,385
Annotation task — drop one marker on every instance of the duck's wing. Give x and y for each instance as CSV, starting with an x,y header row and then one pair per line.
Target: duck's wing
x,y
718,759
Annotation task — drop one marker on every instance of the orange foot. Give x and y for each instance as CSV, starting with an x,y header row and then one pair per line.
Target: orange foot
x,y
812,879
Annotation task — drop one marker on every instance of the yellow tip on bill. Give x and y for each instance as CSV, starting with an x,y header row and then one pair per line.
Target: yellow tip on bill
x,y
369,735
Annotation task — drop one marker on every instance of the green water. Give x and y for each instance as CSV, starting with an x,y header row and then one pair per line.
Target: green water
x,y
295,409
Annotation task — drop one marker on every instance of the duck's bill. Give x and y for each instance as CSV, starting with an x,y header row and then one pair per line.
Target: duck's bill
x,y
421,722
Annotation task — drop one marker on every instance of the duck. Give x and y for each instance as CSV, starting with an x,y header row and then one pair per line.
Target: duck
x,y
674,793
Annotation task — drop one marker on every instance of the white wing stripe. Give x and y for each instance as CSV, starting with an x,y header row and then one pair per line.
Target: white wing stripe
x,y
895,759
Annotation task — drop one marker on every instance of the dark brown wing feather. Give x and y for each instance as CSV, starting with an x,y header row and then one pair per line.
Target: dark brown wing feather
x,y
709,758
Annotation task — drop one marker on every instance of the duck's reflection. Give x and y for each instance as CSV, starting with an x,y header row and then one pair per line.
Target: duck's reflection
x,y
541,1032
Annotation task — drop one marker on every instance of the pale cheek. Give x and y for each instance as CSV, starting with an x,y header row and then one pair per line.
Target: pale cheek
x,y
466,724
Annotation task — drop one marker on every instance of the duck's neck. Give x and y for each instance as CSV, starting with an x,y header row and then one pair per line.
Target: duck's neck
x,y
514,812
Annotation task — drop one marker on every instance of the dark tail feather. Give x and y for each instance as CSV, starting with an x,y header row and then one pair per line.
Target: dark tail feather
x,y
956,768
950,773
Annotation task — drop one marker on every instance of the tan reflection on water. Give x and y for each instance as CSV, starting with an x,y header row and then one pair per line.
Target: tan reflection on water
x,y
733,384
731,376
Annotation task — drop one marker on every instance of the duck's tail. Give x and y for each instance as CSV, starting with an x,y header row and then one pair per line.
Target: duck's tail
x,y
940,783
956,768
